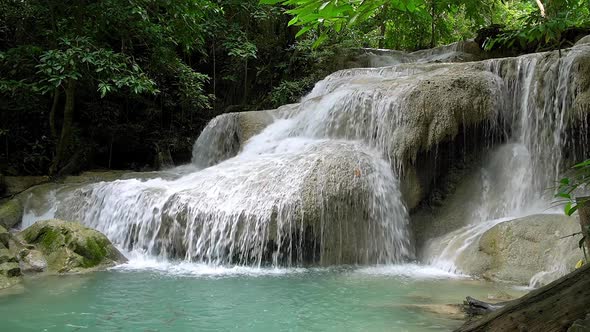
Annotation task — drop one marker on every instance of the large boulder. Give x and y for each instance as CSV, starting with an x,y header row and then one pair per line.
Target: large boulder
x,y
322,206
10,273
323,203
11,213
536,249
70,246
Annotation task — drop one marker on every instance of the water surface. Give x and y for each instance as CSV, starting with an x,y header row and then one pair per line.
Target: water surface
x,y
185,297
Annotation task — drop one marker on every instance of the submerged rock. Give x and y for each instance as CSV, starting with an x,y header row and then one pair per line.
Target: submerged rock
x,y
521,249
449,311
69,247
11,213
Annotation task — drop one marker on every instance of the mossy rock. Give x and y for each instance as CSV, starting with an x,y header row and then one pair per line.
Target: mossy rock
x,y
71,247
10,274
11,213
18,184
6,282
4,237
534,249
7,257
10,270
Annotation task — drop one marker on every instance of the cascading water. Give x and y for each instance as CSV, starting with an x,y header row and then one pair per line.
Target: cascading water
x,y
540,91
319,185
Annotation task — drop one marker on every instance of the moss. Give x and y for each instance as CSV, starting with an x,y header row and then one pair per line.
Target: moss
x,y
10,269
4,237
71,247
93,252
49,238
11,213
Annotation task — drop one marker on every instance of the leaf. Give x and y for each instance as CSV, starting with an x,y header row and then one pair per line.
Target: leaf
x,y
319,41
303,31
570,209
293,21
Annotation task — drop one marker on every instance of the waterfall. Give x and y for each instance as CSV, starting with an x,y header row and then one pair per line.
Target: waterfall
x,y
519,176
318,182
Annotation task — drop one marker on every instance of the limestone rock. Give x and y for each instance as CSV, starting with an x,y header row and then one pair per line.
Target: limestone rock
x,y
583,40
323,205
95,176
4,237
32,261
10,270
71,247
18,184
11,213
10,274
411,188
227,134
521,249
7,257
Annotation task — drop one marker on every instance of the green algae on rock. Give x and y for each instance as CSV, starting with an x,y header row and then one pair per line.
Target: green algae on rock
x,y
11,213
71,247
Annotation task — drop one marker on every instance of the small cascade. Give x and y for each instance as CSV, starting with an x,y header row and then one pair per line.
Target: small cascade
x,y
307,201
540,92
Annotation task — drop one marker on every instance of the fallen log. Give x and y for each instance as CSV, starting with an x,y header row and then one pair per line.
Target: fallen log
x,y
554,307
474,307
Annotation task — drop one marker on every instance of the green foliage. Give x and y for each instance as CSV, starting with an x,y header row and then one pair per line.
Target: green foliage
x,y
112,49
579,178
78,58
532,30
334,15
394,18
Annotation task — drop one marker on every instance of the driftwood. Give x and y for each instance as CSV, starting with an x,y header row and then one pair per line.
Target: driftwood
x,y
473,307
554,307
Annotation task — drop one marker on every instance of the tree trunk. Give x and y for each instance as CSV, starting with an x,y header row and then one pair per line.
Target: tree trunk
x,y
541,8
382,32
66,129
554,307
432,23
52,125
245,100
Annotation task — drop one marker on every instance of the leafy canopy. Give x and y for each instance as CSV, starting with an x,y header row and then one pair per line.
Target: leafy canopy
x,y
336,15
